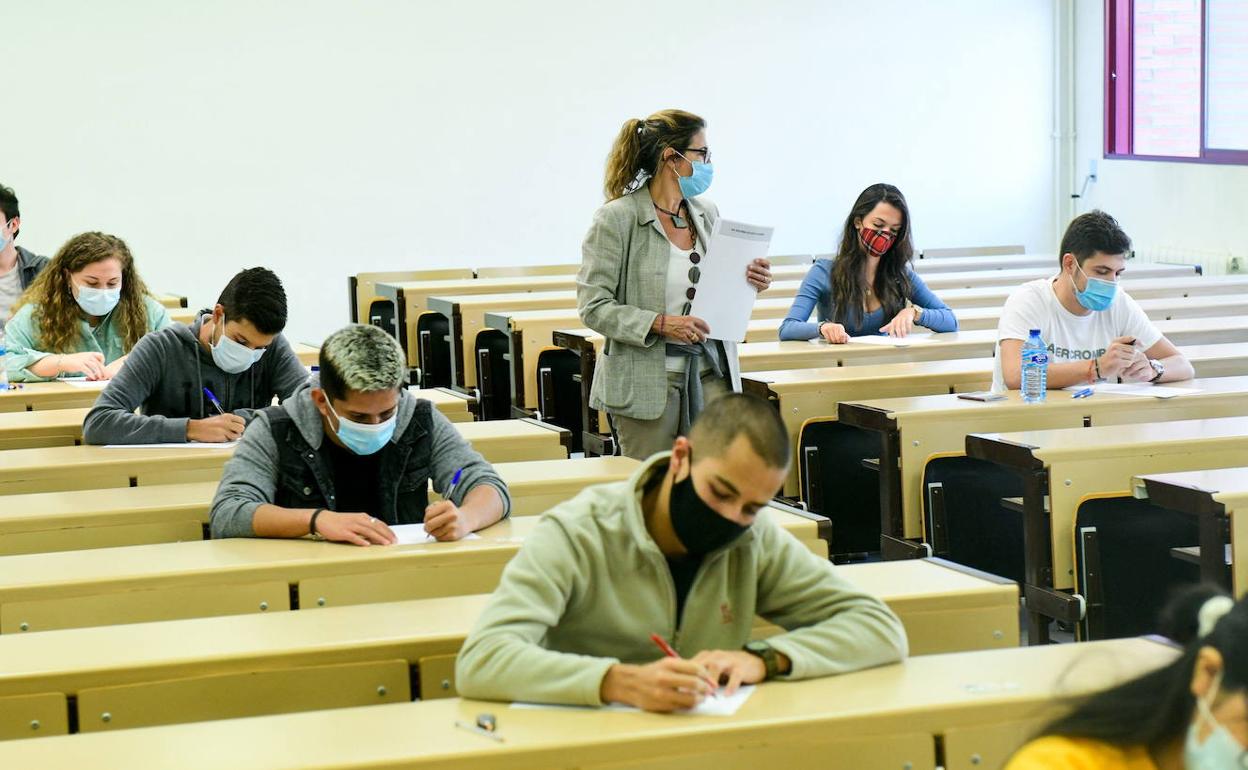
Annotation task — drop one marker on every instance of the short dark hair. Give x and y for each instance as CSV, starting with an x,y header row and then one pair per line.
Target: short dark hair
x,y
361,359
737,414
8,205
256,295
1092,232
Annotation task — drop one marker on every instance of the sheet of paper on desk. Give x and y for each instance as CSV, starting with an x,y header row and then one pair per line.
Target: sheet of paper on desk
x,y
1137,389
922,338
723,706
88,384
725,299
409,534
183,445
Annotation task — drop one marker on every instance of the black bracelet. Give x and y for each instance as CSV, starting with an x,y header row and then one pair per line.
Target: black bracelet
x,y
312,522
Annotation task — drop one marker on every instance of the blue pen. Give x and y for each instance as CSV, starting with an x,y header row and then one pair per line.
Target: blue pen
x,y
1084,393
454,483
215,403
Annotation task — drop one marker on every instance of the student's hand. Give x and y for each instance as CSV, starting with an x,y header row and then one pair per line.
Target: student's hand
x,y
902,323
834,333
1118,357
215,430
668,684
758,274
732,668
1140,370
90,364
445,521
112,369
354,528
685,329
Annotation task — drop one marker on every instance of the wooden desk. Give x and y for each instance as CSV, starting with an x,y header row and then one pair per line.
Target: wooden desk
x,y
308,355
978,707
1011,261
64,468
1138,287
166,513
1014,277
915,430
1158,309
361,288
954,252
167,581
171,300
39,396
1073,465
159,673
518,271
456,407
183,315
1212,496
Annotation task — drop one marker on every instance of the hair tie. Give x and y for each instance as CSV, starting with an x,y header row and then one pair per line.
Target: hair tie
x,y
641,125
1213,610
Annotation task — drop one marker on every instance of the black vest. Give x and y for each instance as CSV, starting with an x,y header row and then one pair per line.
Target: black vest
x,y
304,481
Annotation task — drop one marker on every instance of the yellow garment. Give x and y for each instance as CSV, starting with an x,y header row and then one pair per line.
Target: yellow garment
x,y
1057,753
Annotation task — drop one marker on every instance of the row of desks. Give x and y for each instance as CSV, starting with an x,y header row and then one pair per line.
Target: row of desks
x,y
967,710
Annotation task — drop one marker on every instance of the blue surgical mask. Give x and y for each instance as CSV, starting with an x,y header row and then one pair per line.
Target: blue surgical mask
x,y
233,357
698,182
4,235
1097,295
1220,749
362,438
97,302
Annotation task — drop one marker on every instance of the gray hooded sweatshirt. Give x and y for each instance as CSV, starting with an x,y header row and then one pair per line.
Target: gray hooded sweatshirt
x,y
262,471
164,378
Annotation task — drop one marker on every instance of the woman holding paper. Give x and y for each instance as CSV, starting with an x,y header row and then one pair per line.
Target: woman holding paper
x,y
639,275
869,288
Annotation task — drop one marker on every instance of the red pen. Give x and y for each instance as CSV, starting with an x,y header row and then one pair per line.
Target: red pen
x,y
670,652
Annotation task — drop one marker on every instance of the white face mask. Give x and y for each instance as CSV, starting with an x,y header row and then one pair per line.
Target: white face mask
x,y
1220,750
233,357
97,302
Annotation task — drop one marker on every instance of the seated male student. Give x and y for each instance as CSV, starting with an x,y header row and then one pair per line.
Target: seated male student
x,y
1094,331
235,352
352,453
18,266
684,550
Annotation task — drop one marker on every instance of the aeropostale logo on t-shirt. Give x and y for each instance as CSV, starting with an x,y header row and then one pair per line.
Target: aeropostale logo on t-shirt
x,y
1066,354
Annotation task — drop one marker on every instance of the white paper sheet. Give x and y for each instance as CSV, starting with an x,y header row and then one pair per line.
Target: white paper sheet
x,y
725,300
919,338
88,384
410,534
184,445
722,706
1136,389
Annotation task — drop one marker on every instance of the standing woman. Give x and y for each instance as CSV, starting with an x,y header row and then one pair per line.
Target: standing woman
x,y
642,260
869,288
83,314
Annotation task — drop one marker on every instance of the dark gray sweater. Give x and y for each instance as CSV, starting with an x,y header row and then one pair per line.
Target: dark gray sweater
x,y
164,378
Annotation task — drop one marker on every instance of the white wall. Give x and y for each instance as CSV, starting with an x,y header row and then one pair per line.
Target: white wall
x,y
326,138
1188,212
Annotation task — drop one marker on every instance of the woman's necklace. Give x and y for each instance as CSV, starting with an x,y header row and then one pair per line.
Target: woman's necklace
x,y
677,219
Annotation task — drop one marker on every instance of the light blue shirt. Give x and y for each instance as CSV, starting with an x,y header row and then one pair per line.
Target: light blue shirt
x,y
816,292
23,335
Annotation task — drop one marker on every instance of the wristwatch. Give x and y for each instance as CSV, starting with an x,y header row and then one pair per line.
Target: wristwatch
x,y
1158,367
768,655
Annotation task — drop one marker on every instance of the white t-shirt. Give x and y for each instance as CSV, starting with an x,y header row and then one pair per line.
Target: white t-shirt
x,y
10,290
678,283
1069,337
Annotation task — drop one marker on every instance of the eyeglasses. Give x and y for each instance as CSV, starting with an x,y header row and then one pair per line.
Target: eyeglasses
x,y
695,274
705,152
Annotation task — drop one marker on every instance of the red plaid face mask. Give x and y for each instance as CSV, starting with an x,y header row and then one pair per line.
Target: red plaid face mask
x,y
876,242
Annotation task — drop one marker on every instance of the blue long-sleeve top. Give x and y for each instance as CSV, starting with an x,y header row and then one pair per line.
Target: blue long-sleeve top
x,y
816,292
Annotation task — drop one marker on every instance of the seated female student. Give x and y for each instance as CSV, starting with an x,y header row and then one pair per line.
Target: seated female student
x,y
1189,715
869,288
83,314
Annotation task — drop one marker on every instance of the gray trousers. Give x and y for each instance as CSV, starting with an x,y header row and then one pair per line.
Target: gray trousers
x,y
640,439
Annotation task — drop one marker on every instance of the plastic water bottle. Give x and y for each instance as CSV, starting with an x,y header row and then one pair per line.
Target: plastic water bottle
x,y
4,372
1035,368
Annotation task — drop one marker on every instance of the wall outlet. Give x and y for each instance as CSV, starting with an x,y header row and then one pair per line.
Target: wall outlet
x,y
1236,266
1092,169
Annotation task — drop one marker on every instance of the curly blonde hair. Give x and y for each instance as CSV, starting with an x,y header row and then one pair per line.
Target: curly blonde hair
x,y
56,311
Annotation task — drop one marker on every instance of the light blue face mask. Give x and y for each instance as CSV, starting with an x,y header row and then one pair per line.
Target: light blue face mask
x,y
362,438
97,302
698,182
4,235
1097,295
234,357
1220,751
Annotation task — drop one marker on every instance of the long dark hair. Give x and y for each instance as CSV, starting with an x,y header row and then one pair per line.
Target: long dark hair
x,y
639,147
1155,709
892,279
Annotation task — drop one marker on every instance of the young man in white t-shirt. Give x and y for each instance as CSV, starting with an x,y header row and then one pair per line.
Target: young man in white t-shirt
x,y
1094,331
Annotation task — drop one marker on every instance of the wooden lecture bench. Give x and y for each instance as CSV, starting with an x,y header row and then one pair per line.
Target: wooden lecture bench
x,y
63,468
166,581
1061,469
171,301
965,711
162,513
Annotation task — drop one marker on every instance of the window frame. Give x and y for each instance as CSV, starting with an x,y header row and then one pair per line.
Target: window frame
x,y
1120,91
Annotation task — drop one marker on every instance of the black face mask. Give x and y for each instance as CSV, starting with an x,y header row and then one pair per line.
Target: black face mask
x,y
700,528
